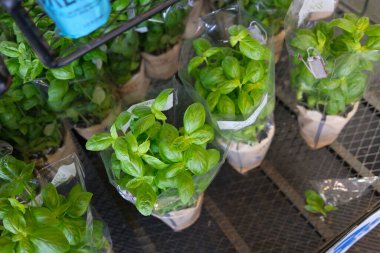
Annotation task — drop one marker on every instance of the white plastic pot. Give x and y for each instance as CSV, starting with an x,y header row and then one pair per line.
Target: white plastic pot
x,y
319,133
182,219
245,157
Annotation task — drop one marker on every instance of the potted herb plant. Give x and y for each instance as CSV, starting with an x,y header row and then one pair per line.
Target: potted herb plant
x,y
347,48
270,13
161,168
161,42
28,125
125,68
88,104
51,216
235,81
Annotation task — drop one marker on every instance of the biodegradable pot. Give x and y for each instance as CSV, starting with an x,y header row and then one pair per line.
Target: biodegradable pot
x,y
279,43
182,219
245,157
319,133
88,132
164,66
65,150
135,89
193,20
323,15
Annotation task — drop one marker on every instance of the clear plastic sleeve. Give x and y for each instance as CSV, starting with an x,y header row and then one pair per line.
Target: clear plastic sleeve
x,y
337,192
332,57
245,130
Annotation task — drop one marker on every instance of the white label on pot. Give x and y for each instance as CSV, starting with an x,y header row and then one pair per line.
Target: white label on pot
x,y
65,173
312,6
355,235
237,125
148,103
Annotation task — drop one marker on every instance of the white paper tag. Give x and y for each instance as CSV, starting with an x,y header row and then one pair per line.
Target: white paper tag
x,y
237,125
354,236
312,6
142,29
65,173
148,103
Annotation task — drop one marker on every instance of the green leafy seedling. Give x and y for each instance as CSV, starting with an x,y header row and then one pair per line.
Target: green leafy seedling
x,y
316,204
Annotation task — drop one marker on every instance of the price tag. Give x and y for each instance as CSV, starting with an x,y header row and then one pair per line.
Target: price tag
x,y
313,6
64,174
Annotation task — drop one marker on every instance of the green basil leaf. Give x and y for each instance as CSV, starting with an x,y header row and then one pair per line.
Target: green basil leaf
x,y
159,115
214,158
6,245
115,166
63,73
238,33
154,162
154,130
194,63
312,209
49,239
36,69
200,90
143,124
194,118
122,120
168,133
213,99
120,5
163,182
252,49
44,217
57,90
211,51
132,142
329,208
344,24
196,159
14,222
98,95
121,148
50,196
181,143
345,65
17,205
373,43
99,141
226,106
211,77
245,103
134,167
185,186
113,132
201,45
145,199
160,102
174,169
203,135
141,111
304,41
135,183
25,246
144,147
254,72
74,230
79,201
372,30
168,153
9,48
313,198
228,86
231,67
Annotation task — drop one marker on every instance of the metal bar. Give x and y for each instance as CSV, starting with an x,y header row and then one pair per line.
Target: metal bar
x,y
43,50
297,200
228,229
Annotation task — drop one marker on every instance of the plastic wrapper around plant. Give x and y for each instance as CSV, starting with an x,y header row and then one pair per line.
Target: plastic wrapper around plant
x,y
332,58
339,191
169,207
64,175
248,133
161,39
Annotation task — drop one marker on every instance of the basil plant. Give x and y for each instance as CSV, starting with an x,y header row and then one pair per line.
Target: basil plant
x,y
154,160
233,79
349,47
27,123
84,104
271,13
39,219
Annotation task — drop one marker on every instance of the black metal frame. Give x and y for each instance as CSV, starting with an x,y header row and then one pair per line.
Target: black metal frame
x,y
47,55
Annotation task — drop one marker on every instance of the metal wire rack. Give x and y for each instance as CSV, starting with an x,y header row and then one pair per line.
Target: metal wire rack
x,y
25,20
